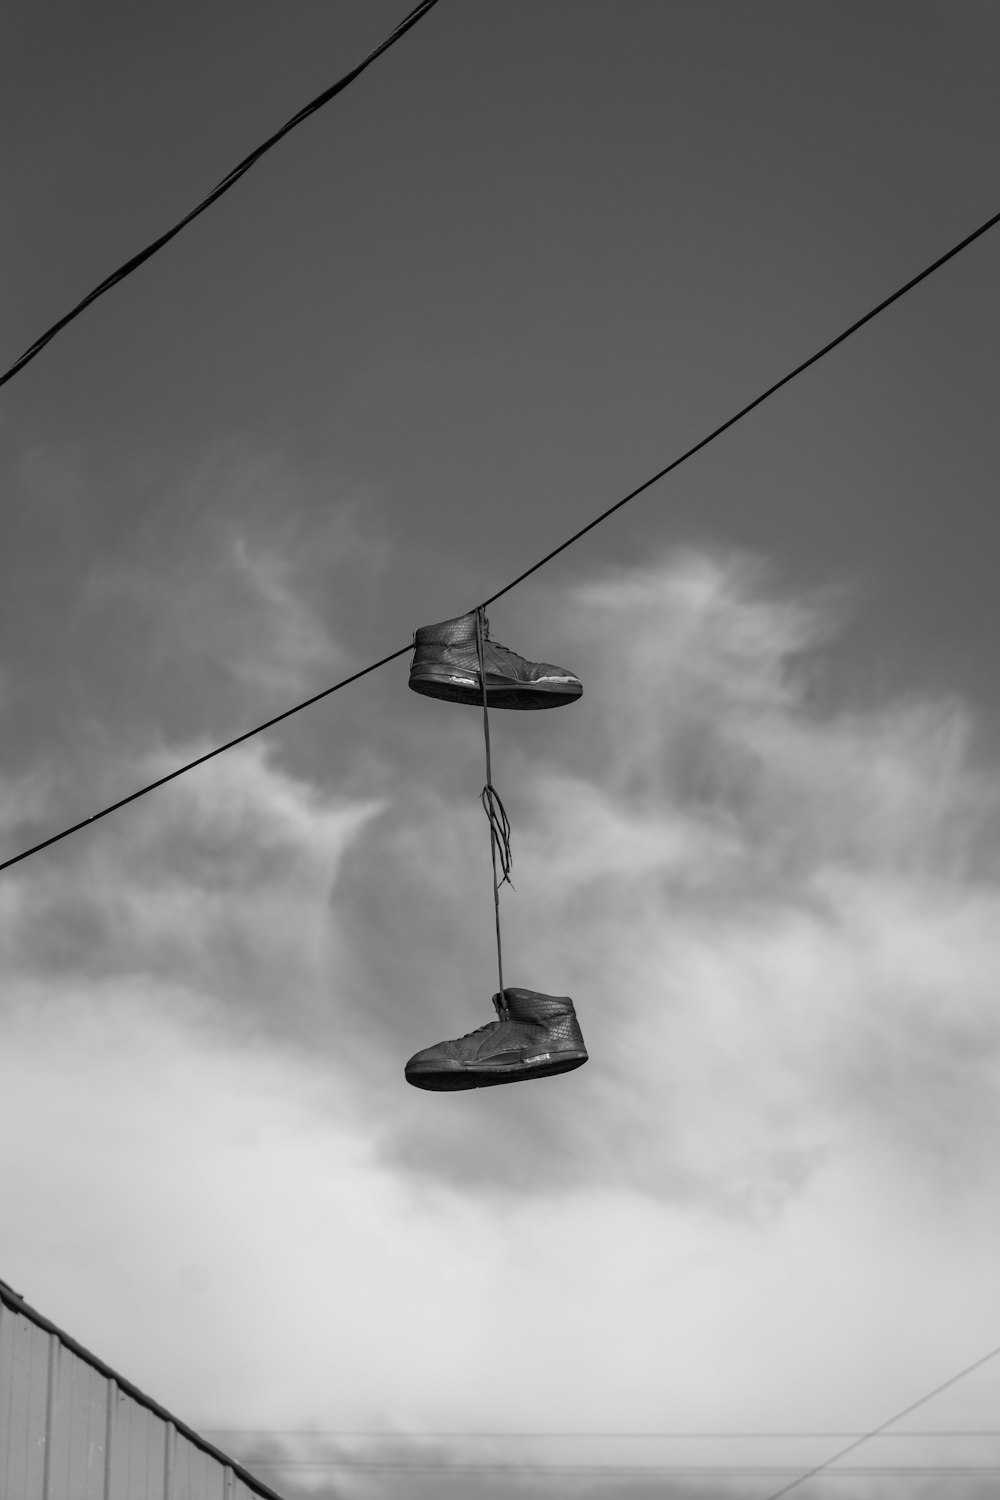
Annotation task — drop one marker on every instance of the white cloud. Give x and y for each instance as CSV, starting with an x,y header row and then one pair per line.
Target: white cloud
x,y
769,1198
220,883
208,1225
751,901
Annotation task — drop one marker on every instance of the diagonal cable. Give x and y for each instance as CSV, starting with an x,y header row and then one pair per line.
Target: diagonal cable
x,y
877,1431
418,12
826,349
201,759
744,411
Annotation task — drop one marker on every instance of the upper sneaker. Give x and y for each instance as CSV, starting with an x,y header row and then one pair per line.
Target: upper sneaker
x,y
535,1035
446,665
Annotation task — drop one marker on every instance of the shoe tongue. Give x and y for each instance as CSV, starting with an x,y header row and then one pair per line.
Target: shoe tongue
x,y
500,1007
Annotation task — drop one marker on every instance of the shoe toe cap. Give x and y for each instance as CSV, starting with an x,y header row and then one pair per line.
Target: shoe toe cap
x,y
432,1059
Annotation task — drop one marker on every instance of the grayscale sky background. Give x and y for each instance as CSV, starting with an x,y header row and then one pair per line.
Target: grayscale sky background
x,y
528,258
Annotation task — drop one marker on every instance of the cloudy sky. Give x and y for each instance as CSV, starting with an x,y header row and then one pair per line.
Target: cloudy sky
x,y
529,257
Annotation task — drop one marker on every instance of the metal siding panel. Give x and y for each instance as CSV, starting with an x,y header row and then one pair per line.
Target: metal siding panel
x,y
6,1391
138,1452
195,1475
154,1456
170,1461
194,1471
112,1481
60,1422
179,1488
86,1444
27,1406
69,1432
237,1488
77,1427
215,1479
177,1470
97,1428
120,1436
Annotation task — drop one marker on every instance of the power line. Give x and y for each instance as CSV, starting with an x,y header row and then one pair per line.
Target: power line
x,y
744,411
408,21
877,1431
595,1471
416,1435
612,1470
201,759
660,474
628,1472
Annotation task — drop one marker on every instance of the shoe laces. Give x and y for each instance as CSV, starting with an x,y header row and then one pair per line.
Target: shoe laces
x,y
495,645
489,1025
499,823
496,814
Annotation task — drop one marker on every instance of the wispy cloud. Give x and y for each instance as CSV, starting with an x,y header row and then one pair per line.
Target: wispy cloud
x,y
222,887
225,578
751,901
779,924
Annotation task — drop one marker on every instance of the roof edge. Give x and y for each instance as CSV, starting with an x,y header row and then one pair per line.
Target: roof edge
x,y
16,1303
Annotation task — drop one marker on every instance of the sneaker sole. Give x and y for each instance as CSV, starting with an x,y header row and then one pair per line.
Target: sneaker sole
x,y
452,689
458,1077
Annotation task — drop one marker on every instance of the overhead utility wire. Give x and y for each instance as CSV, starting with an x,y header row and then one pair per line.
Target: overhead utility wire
x,y
639,1471
718,431
201,759
877,1431
415,15
413,1435
914,281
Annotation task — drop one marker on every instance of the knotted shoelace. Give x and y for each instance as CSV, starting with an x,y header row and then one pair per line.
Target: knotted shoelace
x,y
492,805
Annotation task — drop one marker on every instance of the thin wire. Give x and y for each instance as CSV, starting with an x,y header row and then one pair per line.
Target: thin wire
x,y
914,281
717,432
408,21
201,759
619,1471
494,808
843,1452
415,1434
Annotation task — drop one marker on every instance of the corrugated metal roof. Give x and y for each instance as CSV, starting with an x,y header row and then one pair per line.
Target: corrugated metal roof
x,y
71,1428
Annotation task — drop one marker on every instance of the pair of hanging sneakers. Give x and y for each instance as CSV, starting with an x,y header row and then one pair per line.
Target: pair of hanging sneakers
x,y
534,1035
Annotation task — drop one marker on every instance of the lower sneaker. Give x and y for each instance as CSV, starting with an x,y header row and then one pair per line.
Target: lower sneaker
x,y
446,665
534,1036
